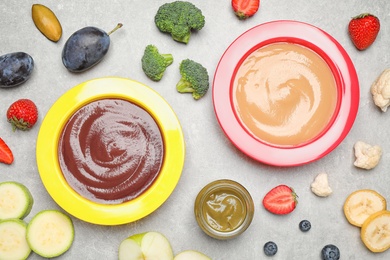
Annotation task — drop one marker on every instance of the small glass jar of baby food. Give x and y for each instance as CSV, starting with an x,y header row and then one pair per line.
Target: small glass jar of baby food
x,y
224,209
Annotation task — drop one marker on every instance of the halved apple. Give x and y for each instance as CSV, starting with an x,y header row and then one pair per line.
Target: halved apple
x,y
149,245
191,255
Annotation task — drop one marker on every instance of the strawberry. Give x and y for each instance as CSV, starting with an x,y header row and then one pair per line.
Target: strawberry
x,y
245,8
280,200
363,30
22,114
6,155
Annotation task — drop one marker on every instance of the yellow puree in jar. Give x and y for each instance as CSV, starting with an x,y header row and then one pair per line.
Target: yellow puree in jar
x,y
224,211
284,94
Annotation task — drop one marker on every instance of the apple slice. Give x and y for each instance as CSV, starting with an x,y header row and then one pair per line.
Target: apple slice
x,y
149,245
191,255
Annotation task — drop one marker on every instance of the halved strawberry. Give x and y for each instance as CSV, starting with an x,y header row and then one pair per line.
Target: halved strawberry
x,y
245,8
280,200
6,155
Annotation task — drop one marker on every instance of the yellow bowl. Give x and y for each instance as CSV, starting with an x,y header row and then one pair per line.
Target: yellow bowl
x,y
50,132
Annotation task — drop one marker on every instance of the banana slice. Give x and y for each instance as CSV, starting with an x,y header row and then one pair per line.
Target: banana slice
x,y
375,232
361,204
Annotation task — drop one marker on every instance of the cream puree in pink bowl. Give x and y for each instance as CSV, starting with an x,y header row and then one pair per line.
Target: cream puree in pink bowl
x,y
286,93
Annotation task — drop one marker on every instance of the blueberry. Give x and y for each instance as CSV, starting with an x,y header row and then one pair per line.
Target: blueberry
x,y
304,225
330,252
270,248
15,69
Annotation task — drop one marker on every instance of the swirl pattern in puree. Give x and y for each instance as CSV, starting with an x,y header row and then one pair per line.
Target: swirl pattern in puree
x,y
110,151
284,94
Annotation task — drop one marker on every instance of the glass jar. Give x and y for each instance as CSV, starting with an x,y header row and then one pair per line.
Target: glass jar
x,y
224,209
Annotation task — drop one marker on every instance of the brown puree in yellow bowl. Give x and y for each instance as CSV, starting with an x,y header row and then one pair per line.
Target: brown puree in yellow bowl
x,y
110,151
284,94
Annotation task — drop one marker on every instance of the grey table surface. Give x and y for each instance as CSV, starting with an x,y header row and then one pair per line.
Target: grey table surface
x,y
209,153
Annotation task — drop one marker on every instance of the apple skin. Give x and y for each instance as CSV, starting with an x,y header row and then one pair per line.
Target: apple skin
x,y
144,246
191,255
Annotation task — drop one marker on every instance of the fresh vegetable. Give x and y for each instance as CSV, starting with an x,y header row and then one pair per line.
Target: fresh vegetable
x,y
375,231
330,252
22,114
367,156
280,200
85,48
149,245
380,90
154,64
15,69
245,8
13,243
363,30
16,200
46,22
270,248
304,225
194,79
179,18
6,155
191,255
320,185
50,233
361,204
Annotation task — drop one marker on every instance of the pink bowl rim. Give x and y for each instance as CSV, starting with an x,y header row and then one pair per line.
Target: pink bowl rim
x,y
318,41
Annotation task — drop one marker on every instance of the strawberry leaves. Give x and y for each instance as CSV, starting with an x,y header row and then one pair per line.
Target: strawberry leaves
x,y
280,200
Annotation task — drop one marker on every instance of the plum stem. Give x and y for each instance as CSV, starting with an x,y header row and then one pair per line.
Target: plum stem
x,y
116,28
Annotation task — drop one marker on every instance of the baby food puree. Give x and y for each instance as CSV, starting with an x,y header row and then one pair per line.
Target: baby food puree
x,y
110,151
284,94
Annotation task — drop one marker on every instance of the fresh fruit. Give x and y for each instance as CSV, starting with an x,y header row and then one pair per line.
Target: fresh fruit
x,y
330,252
13,243
15,69
191,255
361,204
50,233
363,30
149,245
6,155
245,8
16,200
280,200
375,231
85,48
46,22
270,248
304,225
22,114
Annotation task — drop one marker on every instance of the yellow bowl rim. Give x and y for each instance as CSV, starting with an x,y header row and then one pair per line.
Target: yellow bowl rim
x,y
66,106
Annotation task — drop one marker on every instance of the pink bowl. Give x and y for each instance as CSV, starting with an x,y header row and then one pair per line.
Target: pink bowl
x,y
321,43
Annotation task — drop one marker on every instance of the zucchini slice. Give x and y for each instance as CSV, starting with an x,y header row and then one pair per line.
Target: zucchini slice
x,y
50,233
16,200
13,243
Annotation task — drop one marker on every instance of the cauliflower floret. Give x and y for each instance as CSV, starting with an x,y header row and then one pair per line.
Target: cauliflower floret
x,y
367,156
380,90
320,185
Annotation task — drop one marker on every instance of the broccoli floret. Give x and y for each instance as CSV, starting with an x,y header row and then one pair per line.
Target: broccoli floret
x,y
179,18
154,64
194,79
